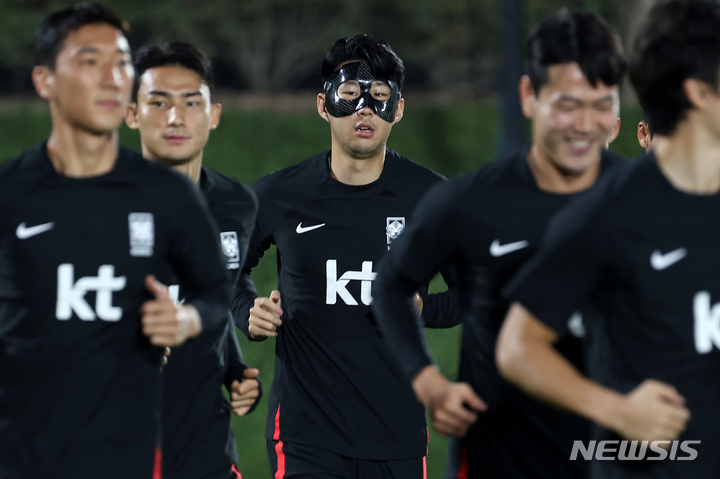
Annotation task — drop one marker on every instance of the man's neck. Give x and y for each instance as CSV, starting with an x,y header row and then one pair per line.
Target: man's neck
x,y
80,154
552,180
353,171
191,169
690,158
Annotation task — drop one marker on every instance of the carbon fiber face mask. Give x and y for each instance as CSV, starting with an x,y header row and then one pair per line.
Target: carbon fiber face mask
x,y
360,71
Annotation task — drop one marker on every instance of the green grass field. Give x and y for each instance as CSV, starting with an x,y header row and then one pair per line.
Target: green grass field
x,y
449,139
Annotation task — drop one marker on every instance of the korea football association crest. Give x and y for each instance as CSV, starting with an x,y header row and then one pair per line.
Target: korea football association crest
x,y
394,225
231,248
141,228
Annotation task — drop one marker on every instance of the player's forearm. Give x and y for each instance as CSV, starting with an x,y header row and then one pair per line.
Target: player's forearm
x,y
244,298
442,310
397,318
537,368
236,364
212,304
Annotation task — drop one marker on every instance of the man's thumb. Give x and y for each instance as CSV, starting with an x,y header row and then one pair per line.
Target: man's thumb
x,y
251,373
158,290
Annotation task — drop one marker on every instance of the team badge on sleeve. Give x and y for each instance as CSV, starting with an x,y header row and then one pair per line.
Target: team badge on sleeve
x,y
141,227
394,226
231,248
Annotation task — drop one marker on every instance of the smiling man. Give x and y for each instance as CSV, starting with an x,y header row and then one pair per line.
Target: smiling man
x,y
338,406
173,111
643,246
85,227
489,223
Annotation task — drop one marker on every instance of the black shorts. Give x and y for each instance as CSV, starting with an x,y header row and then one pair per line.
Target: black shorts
x,y
294,461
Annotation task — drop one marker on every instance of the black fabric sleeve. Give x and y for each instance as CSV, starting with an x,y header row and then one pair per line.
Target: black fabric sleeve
x,y
571,262
442,310
198,260
416,256
245,228
236,363
259,241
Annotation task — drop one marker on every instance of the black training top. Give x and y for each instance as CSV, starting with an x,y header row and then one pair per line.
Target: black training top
x,y
648,255
488,223
78,379
336,384
198,439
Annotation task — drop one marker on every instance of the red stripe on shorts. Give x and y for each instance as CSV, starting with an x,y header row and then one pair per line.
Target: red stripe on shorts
x,y
463,469
280,474
157,468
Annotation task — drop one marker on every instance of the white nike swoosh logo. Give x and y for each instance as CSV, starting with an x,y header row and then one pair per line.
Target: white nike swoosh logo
x,y
23,232
496,249
661,261
301,230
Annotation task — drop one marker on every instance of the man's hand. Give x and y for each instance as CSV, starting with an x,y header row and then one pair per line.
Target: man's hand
x,y
453,407
243,394
164,322
265,317
653,411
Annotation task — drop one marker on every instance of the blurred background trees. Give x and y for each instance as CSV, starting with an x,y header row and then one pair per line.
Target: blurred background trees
x,y
277,45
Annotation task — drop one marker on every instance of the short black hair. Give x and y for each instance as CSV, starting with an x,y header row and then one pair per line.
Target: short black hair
x,y
53,31
383,61
180,54
575,37
678,40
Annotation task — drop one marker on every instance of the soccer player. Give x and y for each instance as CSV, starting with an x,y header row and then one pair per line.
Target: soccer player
x,y
489,223
86,227
338,406
174,113
643,246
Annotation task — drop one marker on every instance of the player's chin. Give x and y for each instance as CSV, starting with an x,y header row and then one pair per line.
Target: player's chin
x,y
364,149
104,124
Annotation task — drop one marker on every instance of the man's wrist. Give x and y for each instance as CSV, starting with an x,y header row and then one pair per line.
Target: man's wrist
x,y
190,316
607,407
427,382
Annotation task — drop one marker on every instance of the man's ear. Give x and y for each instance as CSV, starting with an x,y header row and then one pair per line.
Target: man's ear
x,y
615,131
43,79
400,110
215,112
643,135
131,116
697,92
527,97
321,108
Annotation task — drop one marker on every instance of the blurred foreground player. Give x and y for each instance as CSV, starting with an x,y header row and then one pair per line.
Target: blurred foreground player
x,y
644,246
339,406
489,223
174,113
85,227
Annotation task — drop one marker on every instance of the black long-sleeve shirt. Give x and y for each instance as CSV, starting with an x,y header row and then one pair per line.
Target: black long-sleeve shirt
x,y
488,223
78,379
198,439
647,254
336,385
